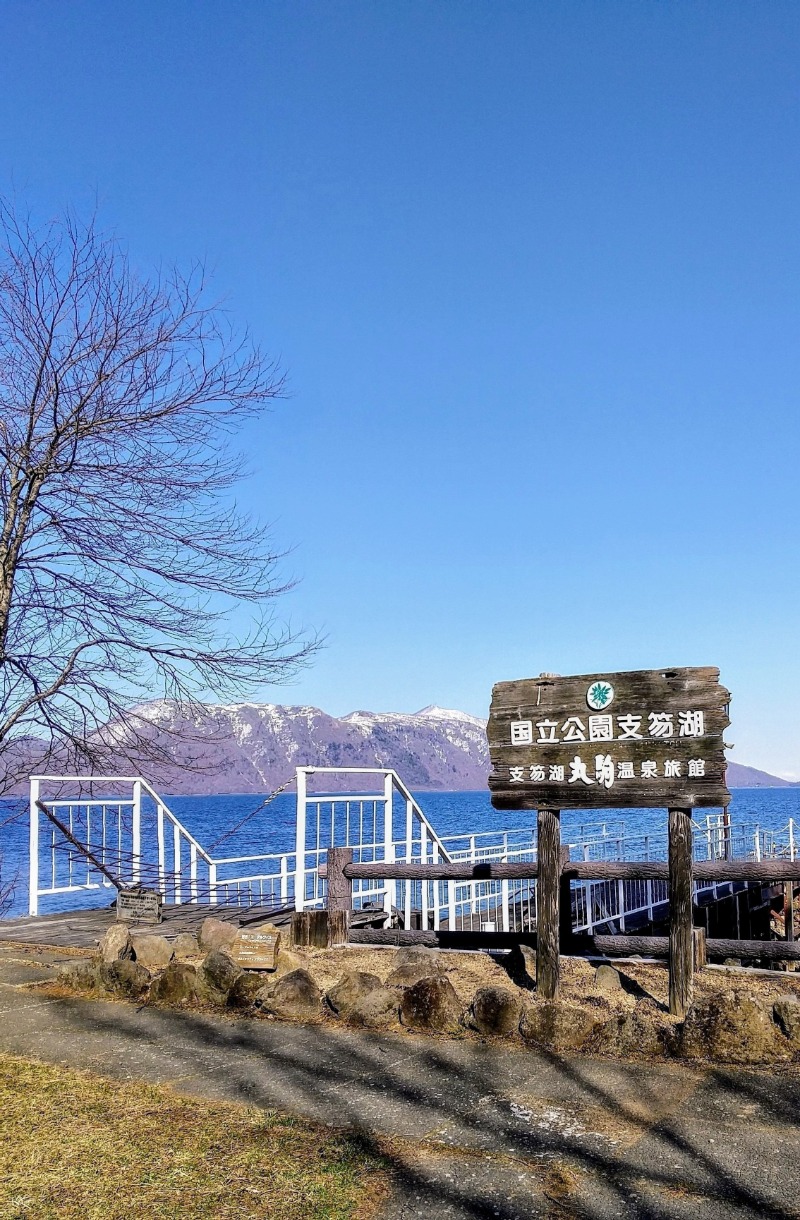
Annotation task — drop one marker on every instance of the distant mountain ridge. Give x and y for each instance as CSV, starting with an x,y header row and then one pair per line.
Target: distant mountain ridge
x,y
255,747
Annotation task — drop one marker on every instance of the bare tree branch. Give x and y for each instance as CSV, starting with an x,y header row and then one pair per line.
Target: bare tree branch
x,y
122,552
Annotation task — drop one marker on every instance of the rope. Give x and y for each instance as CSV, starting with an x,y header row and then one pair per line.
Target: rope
x,y
252,814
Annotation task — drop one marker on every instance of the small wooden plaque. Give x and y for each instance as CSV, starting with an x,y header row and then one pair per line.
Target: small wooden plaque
x,y
257,950
139,906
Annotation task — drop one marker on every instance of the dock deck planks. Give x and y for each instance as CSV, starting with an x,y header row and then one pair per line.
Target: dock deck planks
x,y
83,929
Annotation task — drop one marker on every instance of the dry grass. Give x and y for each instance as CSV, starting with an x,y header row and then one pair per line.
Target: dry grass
x,y
74,1146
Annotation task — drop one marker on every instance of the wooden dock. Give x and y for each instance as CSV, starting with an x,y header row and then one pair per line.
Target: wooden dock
x,y
84,929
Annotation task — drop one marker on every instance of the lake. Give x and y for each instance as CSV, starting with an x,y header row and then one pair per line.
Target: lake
x,y
210,818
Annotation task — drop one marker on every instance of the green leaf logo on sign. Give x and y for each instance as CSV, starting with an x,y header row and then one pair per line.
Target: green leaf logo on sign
x,y
599,695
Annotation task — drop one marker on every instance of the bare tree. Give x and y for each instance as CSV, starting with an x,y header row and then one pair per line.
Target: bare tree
x,y
121,550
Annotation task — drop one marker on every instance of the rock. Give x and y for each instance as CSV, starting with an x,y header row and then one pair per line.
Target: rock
x,y
731,1027
353,986
631,1034
786,1012
152,952
495,1010
732,961
116,944
82,974
377,1009
431,1004
125,978
557,1024
288,961
244,991
411,965
217,976
186,945
294,996
177,985
606,978
216,934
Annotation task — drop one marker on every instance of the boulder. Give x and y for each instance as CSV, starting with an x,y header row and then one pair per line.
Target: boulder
x,y
353,986
186,945
632,1034
377,1009
125,978
244,991
557,1024
177,984
786,1013
413,964
152,952
83,974
431,1004
294,996
495,1010
287,962
116,945
216,934
731,1027
606,978
217,976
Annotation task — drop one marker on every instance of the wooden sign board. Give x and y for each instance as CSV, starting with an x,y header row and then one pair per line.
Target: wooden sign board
x,y
257,950
650,737
139,906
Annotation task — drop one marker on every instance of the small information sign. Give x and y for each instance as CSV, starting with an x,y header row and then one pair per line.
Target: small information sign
x,y
639,739
139,906
257,950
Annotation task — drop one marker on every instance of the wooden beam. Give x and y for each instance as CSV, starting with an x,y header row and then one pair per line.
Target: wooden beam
x,y
681,951
548,852
579,945
575,870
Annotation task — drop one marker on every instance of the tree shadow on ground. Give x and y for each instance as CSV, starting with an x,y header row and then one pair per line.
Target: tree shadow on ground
x,y
471,1129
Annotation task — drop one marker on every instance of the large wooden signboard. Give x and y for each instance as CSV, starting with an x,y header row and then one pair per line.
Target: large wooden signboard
x,y
650,737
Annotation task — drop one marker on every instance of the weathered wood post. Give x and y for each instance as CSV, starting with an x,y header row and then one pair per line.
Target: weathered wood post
x,y
340,895
548,884
788,909
681,952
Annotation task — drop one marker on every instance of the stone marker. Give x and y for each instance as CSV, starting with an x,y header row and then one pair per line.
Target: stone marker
x,y
153,952
139,906
256,950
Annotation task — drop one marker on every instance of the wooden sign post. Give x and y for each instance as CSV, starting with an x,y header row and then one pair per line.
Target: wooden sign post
x,y
643,739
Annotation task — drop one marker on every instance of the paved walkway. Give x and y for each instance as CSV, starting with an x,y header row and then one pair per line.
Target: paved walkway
x,y
473,1130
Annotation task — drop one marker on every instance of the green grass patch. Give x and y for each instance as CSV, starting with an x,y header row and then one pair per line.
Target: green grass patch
x,y
75,1145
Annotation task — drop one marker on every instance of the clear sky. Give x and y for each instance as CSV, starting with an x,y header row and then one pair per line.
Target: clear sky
x,y
532,269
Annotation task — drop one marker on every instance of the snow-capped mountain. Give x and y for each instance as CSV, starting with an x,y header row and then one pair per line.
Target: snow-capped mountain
x,y
253,747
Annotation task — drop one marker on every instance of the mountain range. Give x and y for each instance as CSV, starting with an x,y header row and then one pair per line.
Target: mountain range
x,y
255,747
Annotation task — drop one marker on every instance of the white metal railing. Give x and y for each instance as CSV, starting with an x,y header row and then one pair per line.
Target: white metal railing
x,y
133,833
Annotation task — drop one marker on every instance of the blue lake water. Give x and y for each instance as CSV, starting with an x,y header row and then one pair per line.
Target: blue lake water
x,y
272,829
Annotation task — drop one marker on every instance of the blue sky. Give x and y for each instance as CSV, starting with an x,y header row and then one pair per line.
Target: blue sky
x,y
532,270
